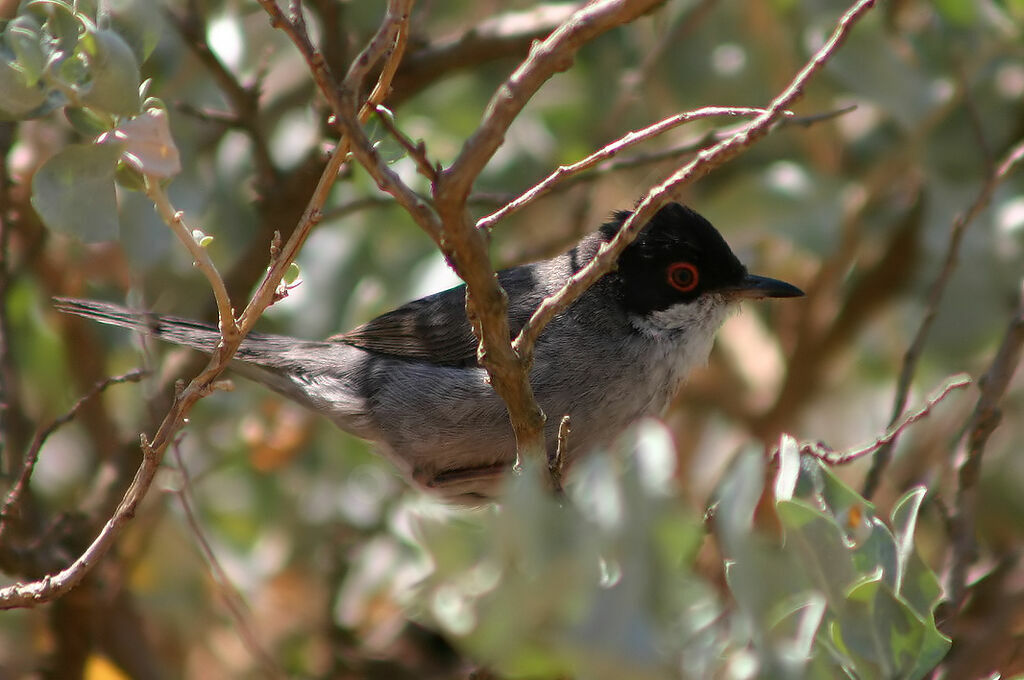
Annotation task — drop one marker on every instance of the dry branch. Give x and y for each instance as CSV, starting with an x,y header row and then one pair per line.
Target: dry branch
x,y
935,294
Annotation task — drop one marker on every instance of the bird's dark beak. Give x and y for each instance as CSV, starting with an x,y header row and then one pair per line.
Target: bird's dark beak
x,y
756,287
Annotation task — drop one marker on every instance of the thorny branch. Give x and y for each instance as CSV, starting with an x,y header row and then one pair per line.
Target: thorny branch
x,y
386,44
704,163
935,293
28,465
233,600
832,458
609,151
983,422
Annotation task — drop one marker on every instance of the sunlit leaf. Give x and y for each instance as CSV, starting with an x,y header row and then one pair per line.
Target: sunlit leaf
x,y
17,98
114,73
24,35
148,144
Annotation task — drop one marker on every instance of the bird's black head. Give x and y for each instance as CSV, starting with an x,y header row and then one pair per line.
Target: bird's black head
x,y
679,256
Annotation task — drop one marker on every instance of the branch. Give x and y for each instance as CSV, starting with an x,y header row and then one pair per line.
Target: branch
x,y
10,506
466,247
825,454
608,151
706,161
51,587
983,422
175,220
546,58
502,36
935,293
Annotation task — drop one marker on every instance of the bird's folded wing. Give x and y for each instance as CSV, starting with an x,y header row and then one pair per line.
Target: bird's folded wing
x,y
433,329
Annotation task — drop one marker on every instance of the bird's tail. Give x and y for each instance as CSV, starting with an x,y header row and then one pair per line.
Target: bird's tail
x,y
180,331
322,375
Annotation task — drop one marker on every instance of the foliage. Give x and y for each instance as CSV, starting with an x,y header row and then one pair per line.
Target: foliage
x,y
607,586
271,544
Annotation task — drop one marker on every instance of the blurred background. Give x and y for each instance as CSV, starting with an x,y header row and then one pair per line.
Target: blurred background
x,y
312,530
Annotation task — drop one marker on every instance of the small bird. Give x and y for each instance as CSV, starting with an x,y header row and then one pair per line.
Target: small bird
x,y
410,382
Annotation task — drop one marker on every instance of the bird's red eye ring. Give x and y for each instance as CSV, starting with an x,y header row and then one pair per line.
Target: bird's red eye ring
x,y
683,276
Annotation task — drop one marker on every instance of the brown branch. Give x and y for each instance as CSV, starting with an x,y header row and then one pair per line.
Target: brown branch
x,y
50,587
498,37
606,152
935,294
706,161
547,58
466,247
832,458
556,462
571,176
10,506
233,600
982,423
416,150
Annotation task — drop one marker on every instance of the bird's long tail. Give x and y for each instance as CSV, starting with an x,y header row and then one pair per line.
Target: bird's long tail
x,y
194,334
321,375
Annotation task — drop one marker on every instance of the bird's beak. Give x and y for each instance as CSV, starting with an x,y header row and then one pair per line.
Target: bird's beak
x,y
757,287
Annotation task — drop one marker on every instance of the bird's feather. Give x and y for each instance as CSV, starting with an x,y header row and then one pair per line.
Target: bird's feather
x,y
435,329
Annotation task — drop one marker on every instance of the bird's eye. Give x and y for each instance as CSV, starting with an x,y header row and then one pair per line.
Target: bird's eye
x,y
683,276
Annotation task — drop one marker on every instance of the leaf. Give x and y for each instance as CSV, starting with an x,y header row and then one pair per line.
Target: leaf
x,y
789,468
911,579
820,545
148,144
139,23
114,87
24,36
73,192
85,122
18,99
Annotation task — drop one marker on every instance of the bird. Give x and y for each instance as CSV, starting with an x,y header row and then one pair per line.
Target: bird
x,y
410,381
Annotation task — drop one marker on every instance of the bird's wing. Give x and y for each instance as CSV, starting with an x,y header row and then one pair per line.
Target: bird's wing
x,y
435,328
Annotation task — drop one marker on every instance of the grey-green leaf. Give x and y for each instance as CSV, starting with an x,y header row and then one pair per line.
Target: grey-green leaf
x,y
18,99
115,74
73,192
23,35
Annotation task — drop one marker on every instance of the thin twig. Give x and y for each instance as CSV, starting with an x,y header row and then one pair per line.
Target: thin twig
x,y
706,160
233,600
691,146
10,505
556,462
201,258
983,422
416,150
935,294
606,152
53,586
832,458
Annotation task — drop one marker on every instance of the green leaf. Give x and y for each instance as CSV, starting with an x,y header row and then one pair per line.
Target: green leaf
x,y
73,192
820,545
139,23
114,72
61,22
24,35
915,583
85,122
18,99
